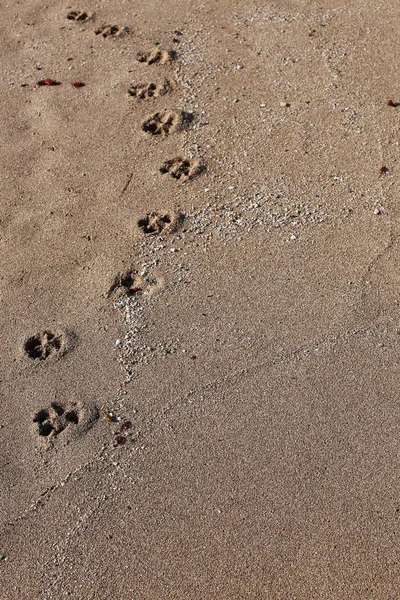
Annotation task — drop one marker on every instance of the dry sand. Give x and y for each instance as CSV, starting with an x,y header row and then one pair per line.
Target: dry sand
x,y
200,301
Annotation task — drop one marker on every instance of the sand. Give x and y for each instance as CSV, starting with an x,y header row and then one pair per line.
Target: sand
x,y
200,301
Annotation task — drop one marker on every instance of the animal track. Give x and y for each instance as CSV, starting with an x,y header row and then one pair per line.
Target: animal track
x,y
156,56
50,422
156,223
128,283
150,90
132,283
77,15
165,122
45,344
183,168
113,31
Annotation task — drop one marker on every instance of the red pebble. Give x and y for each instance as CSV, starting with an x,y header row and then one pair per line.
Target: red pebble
x,y
49,82
135,290
125,425
384,170
120,440
78,84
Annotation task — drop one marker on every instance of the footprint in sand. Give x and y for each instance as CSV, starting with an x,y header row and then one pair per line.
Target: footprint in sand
x,y
112,31
165,122
58,417
47,344
79,15
150,90
135,284
154,223
156,56
183,168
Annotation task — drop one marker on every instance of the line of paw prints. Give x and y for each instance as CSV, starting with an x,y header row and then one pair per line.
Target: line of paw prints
x,y
49,345
52,421
105,31
161,123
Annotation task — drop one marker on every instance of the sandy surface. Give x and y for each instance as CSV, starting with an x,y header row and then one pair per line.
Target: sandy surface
x,y
199,357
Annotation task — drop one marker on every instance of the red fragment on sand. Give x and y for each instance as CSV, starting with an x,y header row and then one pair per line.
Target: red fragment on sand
x,y
135,290
125,425
120,440
78,84
49,82
384,170
394,104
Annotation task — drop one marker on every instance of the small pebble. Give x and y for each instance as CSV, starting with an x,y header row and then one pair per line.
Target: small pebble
x,y
284,104
377,211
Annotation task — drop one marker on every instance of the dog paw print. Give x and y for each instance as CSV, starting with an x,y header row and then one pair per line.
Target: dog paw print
x,y
113,31
155,223
134,284
183,168
45,344
79,15
165,122
156,56
150,90
129,283
58,417
55,419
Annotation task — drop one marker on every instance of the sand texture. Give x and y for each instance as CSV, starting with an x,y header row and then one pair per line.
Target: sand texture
x,y
199,301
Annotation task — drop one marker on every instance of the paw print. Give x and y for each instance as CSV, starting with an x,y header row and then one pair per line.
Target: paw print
x,y
78,15
183,168
44,344
154,222
52,421
113,31
164,122
150,90
156,56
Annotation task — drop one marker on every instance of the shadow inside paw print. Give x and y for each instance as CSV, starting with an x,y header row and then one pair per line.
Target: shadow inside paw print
x,y
165,122
156,56
77,15
44,344
55,419
150,90
113,31
183,168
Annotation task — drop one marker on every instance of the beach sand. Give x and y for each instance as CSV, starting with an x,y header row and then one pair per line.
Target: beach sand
x,y
200,301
